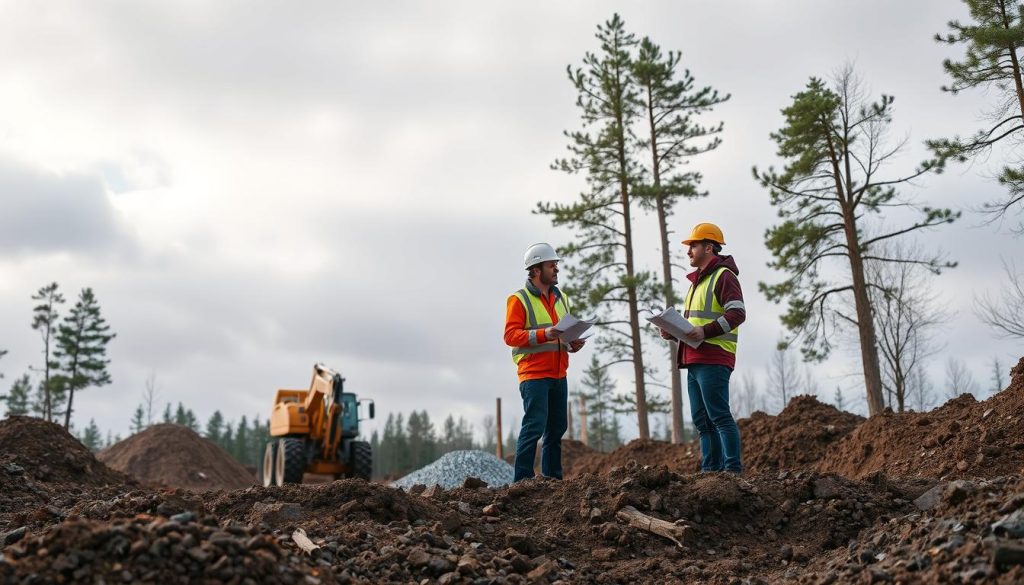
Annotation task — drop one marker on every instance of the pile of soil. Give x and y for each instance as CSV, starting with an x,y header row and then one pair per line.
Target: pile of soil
x,y
796,438
971,532
536,531
176,456
961,439
682,458
42,466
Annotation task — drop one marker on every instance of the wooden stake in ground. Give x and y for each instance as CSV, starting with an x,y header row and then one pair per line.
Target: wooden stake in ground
x,y
501,446
638,519
583,421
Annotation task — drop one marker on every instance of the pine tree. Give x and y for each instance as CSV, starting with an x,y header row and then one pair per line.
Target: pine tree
x,y
599,404
82,348
18,397
44,320
215,427
167,418
243,441
138,420
91,437
997,377
992,62
375,447
227,438
838,399
603,269
191,421
834,146
669,105
180,416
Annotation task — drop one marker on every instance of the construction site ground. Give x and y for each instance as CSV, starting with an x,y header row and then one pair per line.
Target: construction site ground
x,y
828,497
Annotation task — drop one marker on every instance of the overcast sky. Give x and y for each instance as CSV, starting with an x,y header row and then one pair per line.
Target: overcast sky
x,y
252,187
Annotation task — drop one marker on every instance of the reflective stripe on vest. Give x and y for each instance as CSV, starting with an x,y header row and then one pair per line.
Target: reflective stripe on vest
x,y
536,319
709,310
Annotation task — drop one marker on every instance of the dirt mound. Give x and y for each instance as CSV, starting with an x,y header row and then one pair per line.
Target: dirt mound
x,y
159,550
971,532
962,438
43,466
176,456
681,458
794,439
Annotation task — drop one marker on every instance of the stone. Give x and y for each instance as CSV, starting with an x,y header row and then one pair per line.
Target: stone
x,y
957,491
930,498
418,557
825,488
439,565
1006,555
962,465
603,553
472,483
14,535
521,543
276,514
545,570
491,510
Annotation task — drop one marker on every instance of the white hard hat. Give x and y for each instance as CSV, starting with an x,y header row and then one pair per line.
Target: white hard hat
x,y
538,253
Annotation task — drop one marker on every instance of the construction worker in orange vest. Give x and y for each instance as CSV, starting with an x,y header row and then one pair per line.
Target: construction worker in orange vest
x,y
542,361
714,305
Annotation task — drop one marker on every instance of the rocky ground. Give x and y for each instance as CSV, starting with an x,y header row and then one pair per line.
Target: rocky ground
x,y
829,499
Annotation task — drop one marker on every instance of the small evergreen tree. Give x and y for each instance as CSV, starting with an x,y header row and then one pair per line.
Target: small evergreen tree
x,y
91,437
82,348
215,427
44,320
18,397
138,420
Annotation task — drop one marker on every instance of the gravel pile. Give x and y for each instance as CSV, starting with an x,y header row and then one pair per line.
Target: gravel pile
x,y
452,469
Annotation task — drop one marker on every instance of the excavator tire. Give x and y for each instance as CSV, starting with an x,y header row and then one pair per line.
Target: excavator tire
x,y
268,464
362,460
291,460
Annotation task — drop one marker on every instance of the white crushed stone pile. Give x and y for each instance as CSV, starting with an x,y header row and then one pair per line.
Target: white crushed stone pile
x,y
452,469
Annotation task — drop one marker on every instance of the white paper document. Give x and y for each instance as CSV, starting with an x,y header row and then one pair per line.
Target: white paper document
x,y
670,320
570,328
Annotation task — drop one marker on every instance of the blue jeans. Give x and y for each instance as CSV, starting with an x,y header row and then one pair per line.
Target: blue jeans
x,y
708,387
545,406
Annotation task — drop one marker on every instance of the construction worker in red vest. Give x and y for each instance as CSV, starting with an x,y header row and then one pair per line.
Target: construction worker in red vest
x,y
542,360
714,305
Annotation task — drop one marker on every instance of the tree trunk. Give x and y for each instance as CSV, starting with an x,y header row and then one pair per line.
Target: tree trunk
x,y
1014,62
666,275
634,317
67,415
865,321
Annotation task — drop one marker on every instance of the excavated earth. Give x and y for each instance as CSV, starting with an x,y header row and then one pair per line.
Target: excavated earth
x,y
910,517
175,456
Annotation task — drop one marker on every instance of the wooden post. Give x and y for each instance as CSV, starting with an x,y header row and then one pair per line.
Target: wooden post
x,y
583,421
568,415
501,445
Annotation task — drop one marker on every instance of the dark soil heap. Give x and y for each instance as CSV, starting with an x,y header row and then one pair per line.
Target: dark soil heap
x,y
42,465
962,438
796,438
176,456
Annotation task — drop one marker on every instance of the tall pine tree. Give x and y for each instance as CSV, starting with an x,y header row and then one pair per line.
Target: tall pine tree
x,y
82,348
669,104
992,62
603,268
44,320
834,146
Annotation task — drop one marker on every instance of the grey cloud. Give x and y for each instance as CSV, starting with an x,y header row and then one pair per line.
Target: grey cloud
x,y
46,212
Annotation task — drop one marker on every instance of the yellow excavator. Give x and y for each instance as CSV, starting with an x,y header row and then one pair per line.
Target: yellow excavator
x,y
315,431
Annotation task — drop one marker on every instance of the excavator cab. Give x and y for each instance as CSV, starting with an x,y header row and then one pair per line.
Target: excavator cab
x,y
315,431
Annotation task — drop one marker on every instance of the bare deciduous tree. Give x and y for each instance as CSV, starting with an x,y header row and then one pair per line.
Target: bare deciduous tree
x,y
746,398
905,314
785,378
920,394
149,397
959,379
1005,312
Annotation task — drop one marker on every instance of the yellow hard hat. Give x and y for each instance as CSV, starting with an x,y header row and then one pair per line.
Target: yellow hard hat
x,y
705,231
